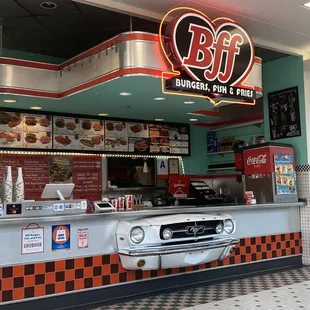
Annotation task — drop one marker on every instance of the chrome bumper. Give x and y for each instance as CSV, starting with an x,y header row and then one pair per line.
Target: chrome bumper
x,y
182,248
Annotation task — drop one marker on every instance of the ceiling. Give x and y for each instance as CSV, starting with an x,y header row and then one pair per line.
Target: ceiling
x,y
283,25
73,27
64,32
105,98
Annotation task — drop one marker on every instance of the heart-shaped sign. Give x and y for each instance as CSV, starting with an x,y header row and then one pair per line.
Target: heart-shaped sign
x,y
218,51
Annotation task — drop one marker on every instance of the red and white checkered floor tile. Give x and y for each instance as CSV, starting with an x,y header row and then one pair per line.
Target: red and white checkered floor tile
x,y
278,291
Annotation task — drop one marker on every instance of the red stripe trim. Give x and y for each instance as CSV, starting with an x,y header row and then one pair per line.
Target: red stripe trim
x,y
207,113
258,60
29,64
27,92
202,176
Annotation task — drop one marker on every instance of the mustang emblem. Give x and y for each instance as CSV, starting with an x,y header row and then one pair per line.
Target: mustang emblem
x,y
195,230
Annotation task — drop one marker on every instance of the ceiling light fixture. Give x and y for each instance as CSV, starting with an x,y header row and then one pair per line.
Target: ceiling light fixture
x,y
103,114
159,119
307,5
124,93
36,108
159,98
9,100
189,102
48,5
193,119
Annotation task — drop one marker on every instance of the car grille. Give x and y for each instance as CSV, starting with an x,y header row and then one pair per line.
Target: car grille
x,y
190,229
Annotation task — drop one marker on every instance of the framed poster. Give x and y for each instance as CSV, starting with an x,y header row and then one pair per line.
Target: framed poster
x,y
284,114
173,166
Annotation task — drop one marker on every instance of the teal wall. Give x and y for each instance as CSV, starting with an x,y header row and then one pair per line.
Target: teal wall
x,y
33,57
197,162
280,74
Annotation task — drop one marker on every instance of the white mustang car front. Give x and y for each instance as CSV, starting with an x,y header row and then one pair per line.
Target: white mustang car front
x,y
175,240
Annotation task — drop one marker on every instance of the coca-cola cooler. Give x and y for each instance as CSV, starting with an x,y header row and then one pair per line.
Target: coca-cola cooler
x,y
269,171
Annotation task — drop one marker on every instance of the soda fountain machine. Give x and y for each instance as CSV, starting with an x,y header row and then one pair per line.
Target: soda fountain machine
x,y
269,171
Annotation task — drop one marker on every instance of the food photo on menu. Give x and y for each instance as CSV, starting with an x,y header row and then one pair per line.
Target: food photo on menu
x,y
67,142
116,144
92,142
11,129
91,126
41,140
139,145
60,169
115,129
159,136
138,130
66,125
37,123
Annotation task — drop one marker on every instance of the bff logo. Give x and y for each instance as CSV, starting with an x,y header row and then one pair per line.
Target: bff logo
x,y
218,51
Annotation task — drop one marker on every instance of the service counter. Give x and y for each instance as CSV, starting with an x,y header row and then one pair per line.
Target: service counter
x,y
88,263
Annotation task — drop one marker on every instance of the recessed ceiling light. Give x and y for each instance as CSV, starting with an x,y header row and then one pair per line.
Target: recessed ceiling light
x,y
9,100
36,108
193,119
124,93
159,98
159,119
307,5
189,102
103,114
48,5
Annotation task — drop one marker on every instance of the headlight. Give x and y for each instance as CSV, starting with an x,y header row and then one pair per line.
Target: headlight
x,y
137,235
229,226
219,228
167,234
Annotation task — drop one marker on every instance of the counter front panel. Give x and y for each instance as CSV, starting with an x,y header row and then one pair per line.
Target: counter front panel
x,y
265,233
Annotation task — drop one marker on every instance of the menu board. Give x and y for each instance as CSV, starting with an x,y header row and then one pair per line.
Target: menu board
x,y
11,130
35,172
285,176
39,131
87,177
39,170
284,114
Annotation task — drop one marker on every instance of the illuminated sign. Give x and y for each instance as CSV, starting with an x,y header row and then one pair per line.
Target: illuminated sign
x,y
209,59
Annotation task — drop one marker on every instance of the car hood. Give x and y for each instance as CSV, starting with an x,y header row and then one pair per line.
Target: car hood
x,y
180,218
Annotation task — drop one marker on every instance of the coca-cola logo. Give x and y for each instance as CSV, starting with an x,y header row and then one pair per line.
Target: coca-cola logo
x,y
260,159
221,51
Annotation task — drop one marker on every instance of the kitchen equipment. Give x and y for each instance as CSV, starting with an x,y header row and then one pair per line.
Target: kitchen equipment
x,y
164,200
203,193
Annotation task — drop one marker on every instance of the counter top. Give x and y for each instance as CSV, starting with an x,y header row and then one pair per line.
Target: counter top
x,y
149,212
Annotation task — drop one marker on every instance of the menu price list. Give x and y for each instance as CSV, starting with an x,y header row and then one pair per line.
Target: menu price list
x,y
87,177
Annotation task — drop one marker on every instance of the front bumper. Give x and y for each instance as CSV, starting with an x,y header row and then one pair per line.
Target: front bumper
x,y
181,255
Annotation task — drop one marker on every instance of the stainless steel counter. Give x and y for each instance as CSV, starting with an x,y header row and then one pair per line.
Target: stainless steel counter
x,y
149,212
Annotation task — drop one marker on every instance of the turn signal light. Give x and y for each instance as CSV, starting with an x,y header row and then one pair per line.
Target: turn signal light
x,y
141,263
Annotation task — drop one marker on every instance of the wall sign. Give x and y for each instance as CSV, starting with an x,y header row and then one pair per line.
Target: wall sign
x,y
284,114
173,166
60,238
82,238
32,239
210,58
162,167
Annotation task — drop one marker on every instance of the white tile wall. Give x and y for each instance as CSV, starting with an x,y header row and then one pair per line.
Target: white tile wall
x,y
303,188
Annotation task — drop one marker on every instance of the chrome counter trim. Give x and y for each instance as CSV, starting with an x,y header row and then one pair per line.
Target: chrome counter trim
x,y
182,248
146,213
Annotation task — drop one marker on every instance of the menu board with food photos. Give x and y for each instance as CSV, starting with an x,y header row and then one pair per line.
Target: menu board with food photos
x,y
39,131
285,175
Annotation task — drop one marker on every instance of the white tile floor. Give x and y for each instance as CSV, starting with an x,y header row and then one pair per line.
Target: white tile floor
x,y
291,297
